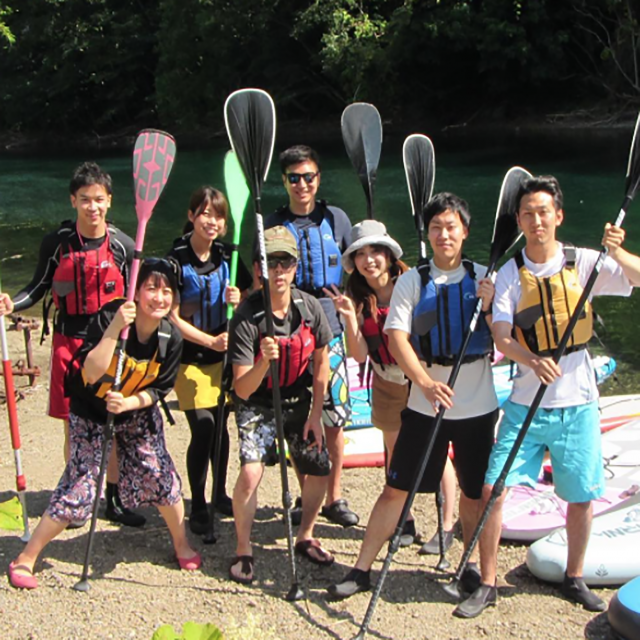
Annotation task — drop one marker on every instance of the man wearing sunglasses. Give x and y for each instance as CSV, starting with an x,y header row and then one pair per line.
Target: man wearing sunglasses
x,y
301,331
322,232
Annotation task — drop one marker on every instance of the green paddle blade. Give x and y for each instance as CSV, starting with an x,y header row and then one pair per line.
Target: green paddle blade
x,y
11,515
237,191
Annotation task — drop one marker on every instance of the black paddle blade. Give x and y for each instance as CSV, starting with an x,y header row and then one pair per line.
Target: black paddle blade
x,y
250,118
633,170
420,168
505,228
362,136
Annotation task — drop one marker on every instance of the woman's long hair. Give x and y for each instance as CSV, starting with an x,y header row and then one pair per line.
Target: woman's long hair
x,y
363,296
201,199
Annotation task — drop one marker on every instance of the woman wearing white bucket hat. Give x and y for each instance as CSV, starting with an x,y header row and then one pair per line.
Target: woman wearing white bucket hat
x,y
373,262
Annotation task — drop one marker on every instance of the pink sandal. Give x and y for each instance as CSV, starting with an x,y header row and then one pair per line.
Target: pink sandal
x,y
20,581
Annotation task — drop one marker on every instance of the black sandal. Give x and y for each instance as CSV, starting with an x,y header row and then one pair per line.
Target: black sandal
x,y
340,513
247,567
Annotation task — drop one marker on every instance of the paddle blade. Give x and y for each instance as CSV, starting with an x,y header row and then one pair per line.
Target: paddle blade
x,y
237,189
505,229
633,170
153,156
250,118
362,136
420,168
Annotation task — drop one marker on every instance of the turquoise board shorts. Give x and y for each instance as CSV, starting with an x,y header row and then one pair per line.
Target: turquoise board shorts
x,y
336,410
572,436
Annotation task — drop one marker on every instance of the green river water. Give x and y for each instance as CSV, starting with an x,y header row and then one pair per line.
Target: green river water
x,y
591,168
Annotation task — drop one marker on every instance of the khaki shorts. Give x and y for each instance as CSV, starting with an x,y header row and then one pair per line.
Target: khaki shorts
x,y
388,400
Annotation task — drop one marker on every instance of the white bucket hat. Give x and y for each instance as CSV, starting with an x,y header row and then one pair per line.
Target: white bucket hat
x,y
366,233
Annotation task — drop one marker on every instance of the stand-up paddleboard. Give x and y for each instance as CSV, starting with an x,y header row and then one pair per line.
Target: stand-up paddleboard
x,y
363,448
529,514
624,611
621,455
612,552
618,410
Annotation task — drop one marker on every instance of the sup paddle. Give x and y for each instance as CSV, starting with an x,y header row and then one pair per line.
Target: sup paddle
x,y
362,136
153,155
505,235
250,118
631,187
14,428
420,168
238,194
419,162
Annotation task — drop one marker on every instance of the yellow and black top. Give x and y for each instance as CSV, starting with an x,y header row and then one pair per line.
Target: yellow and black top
x,y
546,306
150,366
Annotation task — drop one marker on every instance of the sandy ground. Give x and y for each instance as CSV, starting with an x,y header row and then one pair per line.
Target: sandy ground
x,y
137,587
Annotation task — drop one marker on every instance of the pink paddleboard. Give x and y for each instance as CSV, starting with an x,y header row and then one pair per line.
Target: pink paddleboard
x,y
531,513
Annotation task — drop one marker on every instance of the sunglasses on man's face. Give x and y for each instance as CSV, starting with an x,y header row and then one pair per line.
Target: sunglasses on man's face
x,y
286,263
294,178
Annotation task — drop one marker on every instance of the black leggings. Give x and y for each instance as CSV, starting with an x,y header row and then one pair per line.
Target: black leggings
x,y
202,423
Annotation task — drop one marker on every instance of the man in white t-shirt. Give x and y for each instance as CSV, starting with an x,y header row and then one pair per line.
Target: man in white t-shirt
x,y
429,313
545,276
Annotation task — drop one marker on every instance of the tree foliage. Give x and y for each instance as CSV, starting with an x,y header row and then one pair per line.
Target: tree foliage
x,y
100,65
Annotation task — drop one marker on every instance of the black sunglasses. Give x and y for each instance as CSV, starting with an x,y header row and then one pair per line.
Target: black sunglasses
x,y
285,263
294,178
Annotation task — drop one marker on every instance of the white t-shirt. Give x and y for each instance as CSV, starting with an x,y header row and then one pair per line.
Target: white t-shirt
x,y
577,385
474,391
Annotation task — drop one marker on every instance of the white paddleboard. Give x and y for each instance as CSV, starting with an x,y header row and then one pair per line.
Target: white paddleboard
x,y
613,552
621,455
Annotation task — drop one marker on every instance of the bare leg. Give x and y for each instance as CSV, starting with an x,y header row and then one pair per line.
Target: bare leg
x,y
113,473
382,523
245,502
174,517
469,516
490,538
44,533
335,444
313,494
67,443
448,486
579,517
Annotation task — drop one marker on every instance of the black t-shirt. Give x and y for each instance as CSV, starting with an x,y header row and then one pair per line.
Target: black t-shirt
x,y
244,339
84,401
182,253
341,226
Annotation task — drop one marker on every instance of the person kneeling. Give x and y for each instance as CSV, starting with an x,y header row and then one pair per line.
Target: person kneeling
x,y
302,331
147,473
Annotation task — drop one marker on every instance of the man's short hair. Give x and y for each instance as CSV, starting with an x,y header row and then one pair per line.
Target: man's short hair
x,y
443,201
547,184
89,173
297,154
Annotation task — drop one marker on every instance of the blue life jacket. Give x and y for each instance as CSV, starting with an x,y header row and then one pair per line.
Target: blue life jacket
x,y
442,316
319,256
202,296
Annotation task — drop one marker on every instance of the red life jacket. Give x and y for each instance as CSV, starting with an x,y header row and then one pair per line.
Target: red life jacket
x,y
86,279
295,350
377,340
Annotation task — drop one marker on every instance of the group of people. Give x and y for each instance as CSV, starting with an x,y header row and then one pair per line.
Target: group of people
x,y
408,323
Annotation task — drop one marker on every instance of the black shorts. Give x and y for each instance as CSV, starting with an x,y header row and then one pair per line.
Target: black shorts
x,y
472,439
257,436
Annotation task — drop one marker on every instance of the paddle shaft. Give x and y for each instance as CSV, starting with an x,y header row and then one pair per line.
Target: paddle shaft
x,y
14,428
277,401
424,460
221,418
499,485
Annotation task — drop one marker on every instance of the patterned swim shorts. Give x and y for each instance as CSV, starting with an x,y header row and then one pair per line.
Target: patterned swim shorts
x,y
257,436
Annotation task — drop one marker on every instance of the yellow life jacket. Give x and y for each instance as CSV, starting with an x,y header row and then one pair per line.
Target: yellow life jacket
x,y
546,306
136,374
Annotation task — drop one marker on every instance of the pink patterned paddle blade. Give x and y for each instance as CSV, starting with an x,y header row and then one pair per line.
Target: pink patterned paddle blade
x,y
153,157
